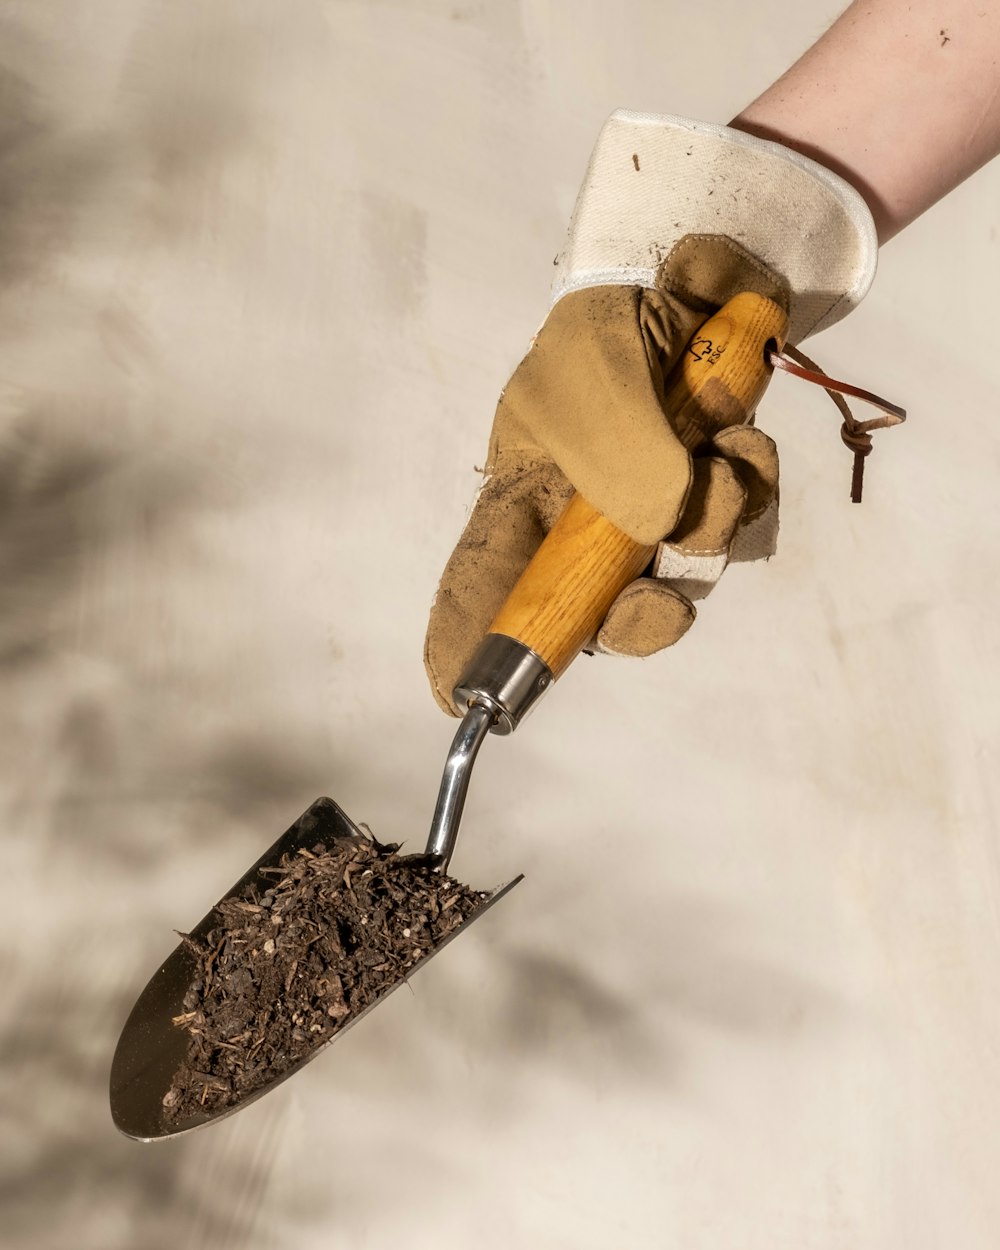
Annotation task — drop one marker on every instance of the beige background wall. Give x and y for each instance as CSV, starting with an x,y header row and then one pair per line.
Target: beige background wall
x,y
263,271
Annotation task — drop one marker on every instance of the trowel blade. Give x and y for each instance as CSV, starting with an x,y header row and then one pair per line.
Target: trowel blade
x,y
151,1047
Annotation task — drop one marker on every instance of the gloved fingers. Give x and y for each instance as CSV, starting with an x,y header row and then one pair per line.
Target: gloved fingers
x,y
754,456
756,539
647,616
515,509
694,556
713,509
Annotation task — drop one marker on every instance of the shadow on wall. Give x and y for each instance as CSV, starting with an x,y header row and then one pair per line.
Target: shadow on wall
x,y
69,1179
94,507
95,734
46,173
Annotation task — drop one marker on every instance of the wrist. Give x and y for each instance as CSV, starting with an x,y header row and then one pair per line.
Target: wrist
x,y
898,98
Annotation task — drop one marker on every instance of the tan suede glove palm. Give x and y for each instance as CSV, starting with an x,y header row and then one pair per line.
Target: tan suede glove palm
x,y
585,410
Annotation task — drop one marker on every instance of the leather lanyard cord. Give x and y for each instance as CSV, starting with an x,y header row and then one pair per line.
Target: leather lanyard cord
x,y
855,434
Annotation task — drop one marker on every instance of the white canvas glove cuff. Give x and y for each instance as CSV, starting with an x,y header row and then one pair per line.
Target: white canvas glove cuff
x,y
654,179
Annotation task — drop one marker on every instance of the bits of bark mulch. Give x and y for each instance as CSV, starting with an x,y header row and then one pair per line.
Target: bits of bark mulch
x,y
289,965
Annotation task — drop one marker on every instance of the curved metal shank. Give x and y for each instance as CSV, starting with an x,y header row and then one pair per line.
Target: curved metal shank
x,y
455,782
500,683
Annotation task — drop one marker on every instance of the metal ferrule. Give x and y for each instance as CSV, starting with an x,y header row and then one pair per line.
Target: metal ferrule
x,y
507,677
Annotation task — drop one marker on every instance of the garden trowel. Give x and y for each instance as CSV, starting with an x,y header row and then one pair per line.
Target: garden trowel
x,y
551,614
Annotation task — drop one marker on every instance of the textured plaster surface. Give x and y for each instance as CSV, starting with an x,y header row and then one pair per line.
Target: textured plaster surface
x,y
263,272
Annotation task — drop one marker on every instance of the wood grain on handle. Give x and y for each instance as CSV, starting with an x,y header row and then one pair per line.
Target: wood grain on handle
x,y
585,562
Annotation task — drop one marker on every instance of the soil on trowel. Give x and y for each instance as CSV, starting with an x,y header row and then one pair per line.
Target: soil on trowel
x,y
290,965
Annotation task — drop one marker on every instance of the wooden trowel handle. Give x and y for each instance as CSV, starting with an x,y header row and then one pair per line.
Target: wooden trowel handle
x,y
585,562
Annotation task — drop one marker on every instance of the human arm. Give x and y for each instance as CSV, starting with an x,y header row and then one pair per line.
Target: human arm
x,y
899,97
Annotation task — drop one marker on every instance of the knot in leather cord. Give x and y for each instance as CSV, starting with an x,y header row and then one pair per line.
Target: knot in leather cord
x,y
858,441
855,434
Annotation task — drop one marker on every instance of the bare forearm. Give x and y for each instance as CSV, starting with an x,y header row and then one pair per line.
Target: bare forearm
x,y
900,97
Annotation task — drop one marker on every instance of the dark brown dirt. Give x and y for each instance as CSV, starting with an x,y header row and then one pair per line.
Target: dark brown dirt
x,y
287,968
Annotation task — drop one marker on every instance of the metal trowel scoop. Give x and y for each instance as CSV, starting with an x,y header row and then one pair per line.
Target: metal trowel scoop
x,y
554,610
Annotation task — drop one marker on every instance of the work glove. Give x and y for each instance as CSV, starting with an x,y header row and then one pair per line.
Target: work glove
x,y
674,218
